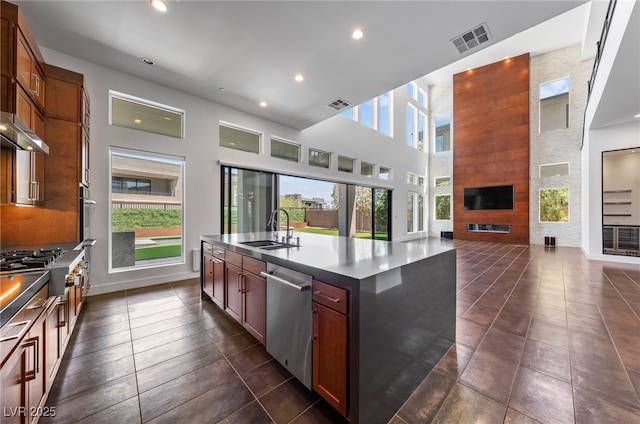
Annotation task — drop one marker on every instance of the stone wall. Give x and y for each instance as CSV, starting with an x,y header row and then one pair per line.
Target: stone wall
x,y
557,146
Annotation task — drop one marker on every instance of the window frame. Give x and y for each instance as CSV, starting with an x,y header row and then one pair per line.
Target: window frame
x,y
435,181
283,141
568,215
435,207
380,168
435,133
310,149
371,165
161,157
353,161
552,164
243,129
146,103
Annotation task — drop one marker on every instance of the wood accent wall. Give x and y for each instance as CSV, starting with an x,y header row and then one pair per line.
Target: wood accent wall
x,y
491,145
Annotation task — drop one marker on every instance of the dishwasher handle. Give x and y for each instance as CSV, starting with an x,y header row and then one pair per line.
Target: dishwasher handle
x,y
283,281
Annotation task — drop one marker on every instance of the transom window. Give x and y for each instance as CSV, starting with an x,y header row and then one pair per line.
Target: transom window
x,y
319,158
239,138
345,164
145,115
384,173
366,169
443,181
286,150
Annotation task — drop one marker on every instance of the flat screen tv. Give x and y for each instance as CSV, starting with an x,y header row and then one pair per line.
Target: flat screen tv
x,y
488,198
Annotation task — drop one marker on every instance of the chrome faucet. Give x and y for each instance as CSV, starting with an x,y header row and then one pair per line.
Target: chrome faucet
x,y
273,222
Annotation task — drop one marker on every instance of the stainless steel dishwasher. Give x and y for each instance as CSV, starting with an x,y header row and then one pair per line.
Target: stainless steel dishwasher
x,y
289,320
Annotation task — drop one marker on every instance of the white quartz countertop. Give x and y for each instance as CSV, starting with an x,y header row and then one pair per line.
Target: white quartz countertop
x,y
349,257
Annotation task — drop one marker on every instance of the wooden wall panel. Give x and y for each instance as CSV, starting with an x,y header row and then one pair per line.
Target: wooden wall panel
x,y
491,145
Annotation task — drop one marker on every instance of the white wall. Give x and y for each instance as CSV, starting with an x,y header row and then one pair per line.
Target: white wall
x,y
346,137
596,141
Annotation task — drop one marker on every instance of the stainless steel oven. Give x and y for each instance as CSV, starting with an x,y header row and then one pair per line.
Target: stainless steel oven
x,y
86,208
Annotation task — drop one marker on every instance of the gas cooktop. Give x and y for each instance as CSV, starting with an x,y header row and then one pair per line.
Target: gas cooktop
x,y
16,260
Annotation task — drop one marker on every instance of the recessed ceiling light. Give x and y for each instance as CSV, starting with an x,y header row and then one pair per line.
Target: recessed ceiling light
x,y
147,61
263,104
159,5
299,77
357,34
3,128
167,118
137,121
29,148
221,88
637,116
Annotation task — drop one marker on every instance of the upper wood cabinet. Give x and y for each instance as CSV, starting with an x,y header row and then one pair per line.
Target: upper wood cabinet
x,y
28,71
22,63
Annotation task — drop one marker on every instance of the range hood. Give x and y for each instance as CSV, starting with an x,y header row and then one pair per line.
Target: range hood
x,y
16,135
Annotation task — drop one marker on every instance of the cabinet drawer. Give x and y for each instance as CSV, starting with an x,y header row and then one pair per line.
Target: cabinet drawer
x,y
207,248
330,296
233,258
218,252
253,266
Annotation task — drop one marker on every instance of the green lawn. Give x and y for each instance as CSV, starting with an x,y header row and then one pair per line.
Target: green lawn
x,y
157,252
334,232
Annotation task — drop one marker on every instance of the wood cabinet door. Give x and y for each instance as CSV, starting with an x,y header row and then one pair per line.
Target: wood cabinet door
x,y
330,356
254,316
207,277
218,282
35,358
232,290
23,63
24,107
13,388
51,342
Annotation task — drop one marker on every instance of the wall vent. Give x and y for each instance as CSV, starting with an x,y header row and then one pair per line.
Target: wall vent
x,y
472,38
339,104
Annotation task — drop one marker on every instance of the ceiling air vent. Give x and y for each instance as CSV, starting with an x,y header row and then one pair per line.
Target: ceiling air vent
x,y
472,38
339,104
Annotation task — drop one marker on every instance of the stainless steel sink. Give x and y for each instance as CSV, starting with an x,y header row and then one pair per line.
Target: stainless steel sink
x,y
267,244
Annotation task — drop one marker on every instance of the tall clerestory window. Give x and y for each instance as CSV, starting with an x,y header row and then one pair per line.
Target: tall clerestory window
x,y
417,128
376,113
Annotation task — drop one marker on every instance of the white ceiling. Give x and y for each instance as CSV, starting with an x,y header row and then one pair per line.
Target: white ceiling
x,y
253,48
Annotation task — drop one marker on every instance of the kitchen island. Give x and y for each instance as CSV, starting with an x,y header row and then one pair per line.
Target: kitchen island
x,y
398,310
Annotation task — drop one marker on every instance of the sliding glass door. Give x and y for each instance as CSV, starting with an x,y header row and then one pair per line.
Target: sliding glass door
x,y
248,199
249,196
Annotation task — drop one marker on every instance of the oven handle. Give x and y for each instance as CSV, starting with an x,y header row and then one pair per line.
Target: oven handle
x,y
62,302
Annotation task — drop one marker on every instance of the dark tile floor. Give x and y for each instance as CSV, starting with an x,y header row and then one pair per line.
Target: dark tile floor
x,y
543,335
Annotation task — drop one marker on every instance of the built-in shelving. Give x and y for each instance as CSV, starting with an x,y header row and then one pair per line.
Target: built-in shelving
x,y
617,203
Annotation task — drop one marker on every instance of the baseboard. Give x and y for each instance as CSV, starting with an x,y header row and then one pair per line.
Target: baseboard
x,y
142,282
